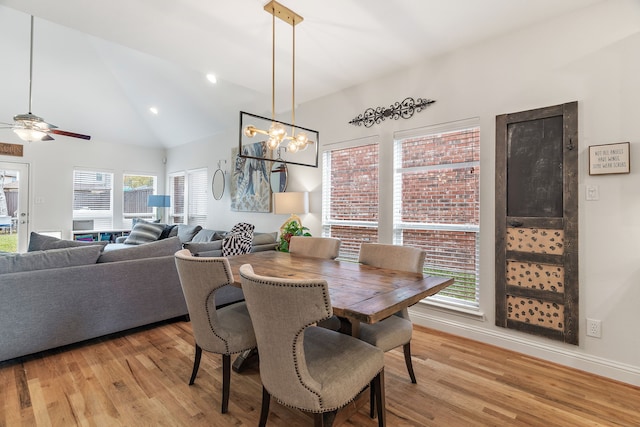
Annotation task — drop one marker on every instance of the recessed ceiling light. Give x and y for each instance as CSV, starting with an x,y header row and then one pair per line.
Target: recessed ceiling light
x,y
154,110
212,78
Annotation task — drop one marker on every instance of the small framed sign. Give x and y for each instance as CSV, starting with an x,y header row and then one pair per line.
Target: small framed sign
x,y
609,158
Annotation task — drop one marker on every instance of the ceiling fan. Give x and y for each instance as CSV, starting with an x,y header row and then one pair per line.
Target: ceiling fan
x,y
30,127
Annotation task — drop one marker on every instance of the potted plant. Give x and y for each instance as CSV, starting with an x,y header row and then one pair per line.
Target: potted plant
x,y
292,228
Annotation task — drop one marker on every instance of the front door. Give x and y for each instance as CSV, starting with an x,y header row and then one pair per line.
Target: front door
x,y
537,221
14,206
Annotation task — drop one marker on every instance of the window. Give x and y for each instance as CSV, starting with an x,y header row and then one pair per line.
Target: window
x,y
350,197
188,191
197,197
437,203
177,191
93,198
135,192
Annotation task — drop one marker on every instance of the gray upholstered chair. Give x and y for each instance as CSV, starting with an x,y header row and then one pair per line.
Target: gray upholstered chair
x,y
303,366
396,330
226,330
318,247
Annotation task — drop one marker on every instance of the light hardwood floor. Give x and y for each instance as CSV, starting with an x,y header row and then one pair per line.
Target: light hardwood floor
x,y
140,379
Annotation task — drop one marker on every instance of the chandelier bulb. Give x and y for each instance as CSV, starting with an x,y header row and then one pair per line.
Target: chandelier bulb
x,y
250,131
292,147
272,143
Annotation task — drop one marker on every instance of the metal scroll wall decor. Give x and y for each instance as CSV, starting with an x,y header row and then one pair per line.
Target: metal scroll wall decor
x,y
404,109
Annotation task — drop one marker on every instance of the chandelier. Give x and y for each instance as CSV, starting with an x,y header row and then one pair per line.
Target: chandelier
x,y
277,136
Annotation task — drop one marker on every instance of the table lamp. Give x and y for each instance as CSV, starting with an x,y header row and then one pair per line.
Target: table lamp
x,y
159,201
292,203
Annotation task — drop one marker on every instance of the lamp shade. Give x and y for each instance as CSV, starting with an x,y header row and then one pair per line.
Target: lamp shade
x,y
159,201
291,203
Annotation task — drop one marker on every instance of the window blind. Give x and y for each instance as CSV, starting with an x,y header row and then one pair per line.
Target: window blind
x,y
177,192
197,197
93,198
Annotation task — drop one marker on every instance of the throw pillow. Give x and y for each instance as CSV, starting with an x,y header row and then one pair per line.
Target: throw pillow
x,y
40,242
186,232
158,248
144,232
204,235
53,258
239,240
167,231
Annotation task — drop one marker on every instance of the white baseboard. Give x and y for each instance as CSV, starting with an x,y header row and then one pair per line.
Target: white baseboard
x,y
596,365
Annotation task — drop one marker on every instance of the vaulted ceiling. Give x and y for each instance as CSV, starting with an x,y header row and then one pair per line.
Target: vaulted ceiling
x,y
99,66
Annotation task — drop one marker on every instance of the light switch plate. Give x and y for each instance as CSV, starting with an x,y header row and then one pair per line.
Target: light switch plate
x,y
592,192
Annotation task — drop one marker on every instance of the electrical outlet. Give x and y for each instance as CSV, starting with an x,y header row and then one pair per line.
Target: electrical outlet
x,y
594,328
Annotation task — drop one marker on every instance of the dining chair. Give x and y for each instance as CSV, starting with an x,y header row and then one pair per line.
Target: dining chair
x,y
318,247
304,366
225,330
395,330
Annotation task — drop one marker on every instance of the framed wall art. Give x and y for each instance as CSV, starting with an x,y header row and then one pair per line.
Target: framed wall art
x,y
609,158
250,189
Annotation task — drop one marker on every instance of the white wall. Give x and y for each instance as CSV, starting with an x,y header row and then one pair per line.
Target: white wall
x,y
51,166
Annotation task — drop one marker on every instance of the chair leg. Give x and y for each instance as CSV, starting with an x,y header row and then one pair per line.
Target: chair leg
x,y
372,399
378,383
196,364
226,381
324,419
407,361
264,411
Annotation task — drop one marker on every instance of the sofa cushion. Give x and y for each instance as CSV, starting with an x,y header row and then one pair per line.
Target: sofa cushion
x,y
197,247
40,242
144,232
158,248
52,258
186,232
264,238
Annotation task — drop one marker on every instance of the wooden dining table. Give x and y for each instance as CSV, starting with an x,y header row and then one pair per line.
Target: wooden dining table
x,y
358,292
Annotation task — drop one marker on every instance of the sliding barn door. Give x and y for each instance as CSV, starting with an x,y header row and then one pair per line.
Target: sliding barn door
x,y
537,221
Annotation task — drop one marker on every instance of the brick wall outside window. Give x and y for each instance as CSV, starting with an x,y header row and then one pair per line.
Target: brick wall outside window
x,y
437,205
350,197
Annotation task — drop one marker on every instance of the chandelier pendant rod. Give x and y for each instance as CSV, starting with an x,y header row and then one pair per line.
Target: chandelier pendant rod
x,y
31,65
293,81
273,64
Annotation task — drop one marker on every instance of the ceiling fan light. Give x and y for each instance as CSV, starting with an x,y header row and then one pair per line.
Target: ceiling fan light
x,y
30,134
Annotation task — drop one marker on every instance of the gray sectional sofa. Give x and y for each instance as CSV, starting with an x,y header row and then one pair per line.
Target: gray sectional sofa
x,y
63,292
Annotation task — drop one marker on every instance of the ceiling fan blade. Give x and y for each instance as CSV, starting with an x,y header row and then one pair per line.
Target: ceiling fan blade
x,y
46,138
71,134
